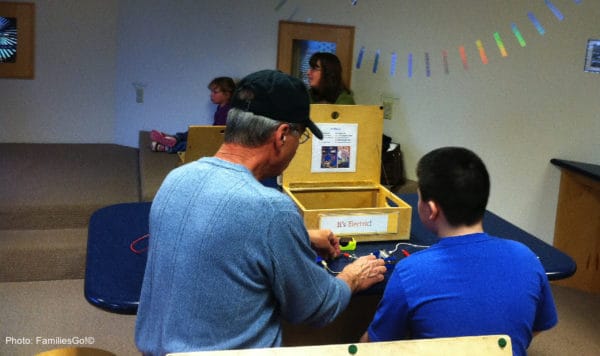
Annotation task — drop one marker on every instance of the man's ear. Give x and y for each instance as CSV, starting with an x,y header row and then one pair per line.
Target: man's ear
x,y
279,135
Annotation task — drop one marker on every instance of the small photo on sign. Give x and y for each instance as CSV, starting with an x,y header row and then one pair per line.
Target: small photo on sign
x,y
329,157
335,157
343,157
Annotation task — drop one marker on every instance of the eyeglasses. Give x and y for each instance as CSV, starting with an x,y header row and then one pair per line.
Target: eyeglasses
x,y
302,136
315,69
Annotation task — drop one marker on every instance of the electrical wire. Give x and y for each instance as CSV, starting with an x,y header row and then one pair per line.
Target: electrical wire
x,y
326,266
386,255
135,242
405,244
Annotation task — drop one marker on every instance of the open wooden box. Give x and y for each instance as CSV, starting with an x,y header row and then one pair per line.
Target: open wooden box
x,y
335,182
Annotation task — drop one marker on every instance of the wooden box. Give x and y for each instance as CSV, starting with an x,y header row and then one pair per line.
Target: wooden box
x,y
335,182
202,141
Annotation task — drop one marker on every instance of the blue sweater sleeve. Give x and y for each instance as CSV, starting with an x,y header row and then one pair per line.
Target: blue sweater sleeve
x,y
305,291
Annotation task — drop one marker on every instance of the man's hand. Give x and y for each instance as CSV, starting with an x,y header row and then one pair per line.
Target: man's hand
x,y
325,243
365,337
363,273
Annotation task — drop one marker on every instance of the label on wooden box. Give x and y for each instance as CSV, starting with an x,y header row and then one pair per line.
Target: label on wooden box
x,y
356,223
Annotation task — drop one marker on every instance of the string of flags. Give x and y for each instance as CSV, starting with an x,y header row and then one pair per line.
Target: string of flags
x,y
445,53
499,42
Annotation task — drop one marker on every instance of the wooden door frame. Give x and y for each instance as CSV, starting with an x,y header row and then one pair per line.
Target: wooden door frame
x,y
342,36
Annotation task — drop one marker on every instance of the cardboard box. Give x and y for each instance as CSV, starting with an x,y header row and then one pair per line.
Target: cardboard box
x,y
335,182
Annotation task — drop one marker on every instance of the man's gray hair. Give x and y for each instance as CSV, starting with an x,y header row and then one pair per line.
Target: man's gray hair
x,y
247,129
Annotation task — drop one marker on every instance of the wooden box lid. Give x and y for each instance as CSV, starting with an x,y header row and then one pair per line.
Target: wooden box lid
x,y
349,152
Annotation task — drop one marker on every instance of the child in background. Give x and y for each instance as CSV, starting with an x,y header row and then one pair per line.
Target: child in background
x,y
221,90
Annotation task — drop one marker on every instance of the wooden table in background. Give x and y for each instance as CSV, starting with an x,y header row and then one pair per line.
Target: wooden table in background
x,y
577,229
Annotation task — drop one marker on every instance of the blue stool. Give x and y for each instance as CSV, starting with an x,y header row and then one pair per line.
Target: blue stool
x,y
116,256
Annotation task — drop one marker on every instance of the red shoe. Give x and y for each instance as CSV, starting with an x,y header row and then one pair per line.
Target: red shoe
x,y
157,147
163,138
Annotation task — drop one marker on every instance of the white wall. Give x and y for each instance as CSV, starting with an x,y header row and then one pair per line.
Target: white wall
x,y
517,112
72,96
176,48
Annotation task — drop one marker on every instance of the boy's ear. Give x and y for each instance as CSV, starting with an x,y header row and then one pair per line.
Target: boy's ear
x,y
433,210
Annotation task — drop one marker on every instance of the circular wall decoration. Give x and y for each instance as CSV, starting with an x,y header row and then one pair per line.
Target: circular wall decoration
x,y
8,40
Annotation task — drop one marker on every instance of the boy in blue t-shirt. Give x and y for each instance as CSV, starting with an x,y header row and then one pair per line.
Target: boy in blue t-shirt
x,y
469,283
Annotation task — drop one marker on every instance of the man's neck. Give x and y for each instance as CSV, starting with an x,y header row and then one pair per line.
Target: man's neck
x,y
247,157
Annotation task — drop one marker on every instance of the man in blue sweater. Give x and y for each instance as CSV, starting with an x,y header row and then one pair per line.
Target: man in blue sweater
x,y
228,257
469,283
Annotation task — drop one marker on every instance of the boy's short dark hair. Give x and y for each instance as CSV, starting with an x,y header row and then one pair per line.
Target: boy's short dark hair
x,y
456,179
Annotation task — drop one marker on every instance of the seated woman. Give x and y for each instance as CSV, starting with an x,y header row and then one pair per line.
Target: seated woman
x,y
221,90
325,80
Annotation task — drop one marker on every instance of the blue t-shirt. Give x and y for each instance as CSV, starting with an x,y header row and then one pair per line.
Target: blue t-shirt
x,y
228,258
465,286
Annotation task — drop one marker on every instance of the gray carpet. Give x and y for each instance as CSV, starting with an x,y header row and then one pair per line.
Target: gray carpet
x,y
51,309
56,186
578,329
48,193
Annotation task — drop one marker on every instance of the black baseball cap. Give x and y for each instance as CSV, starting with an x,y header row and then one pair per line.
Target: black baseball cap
x,y
278,96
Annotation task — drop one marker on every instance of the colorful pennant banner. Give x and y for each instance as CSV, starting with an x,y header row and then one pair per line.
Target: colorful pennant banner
x,y
482,53
554,10
376,61
500,44
536,23
518,35
461,49
463,57
445,61
361,53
